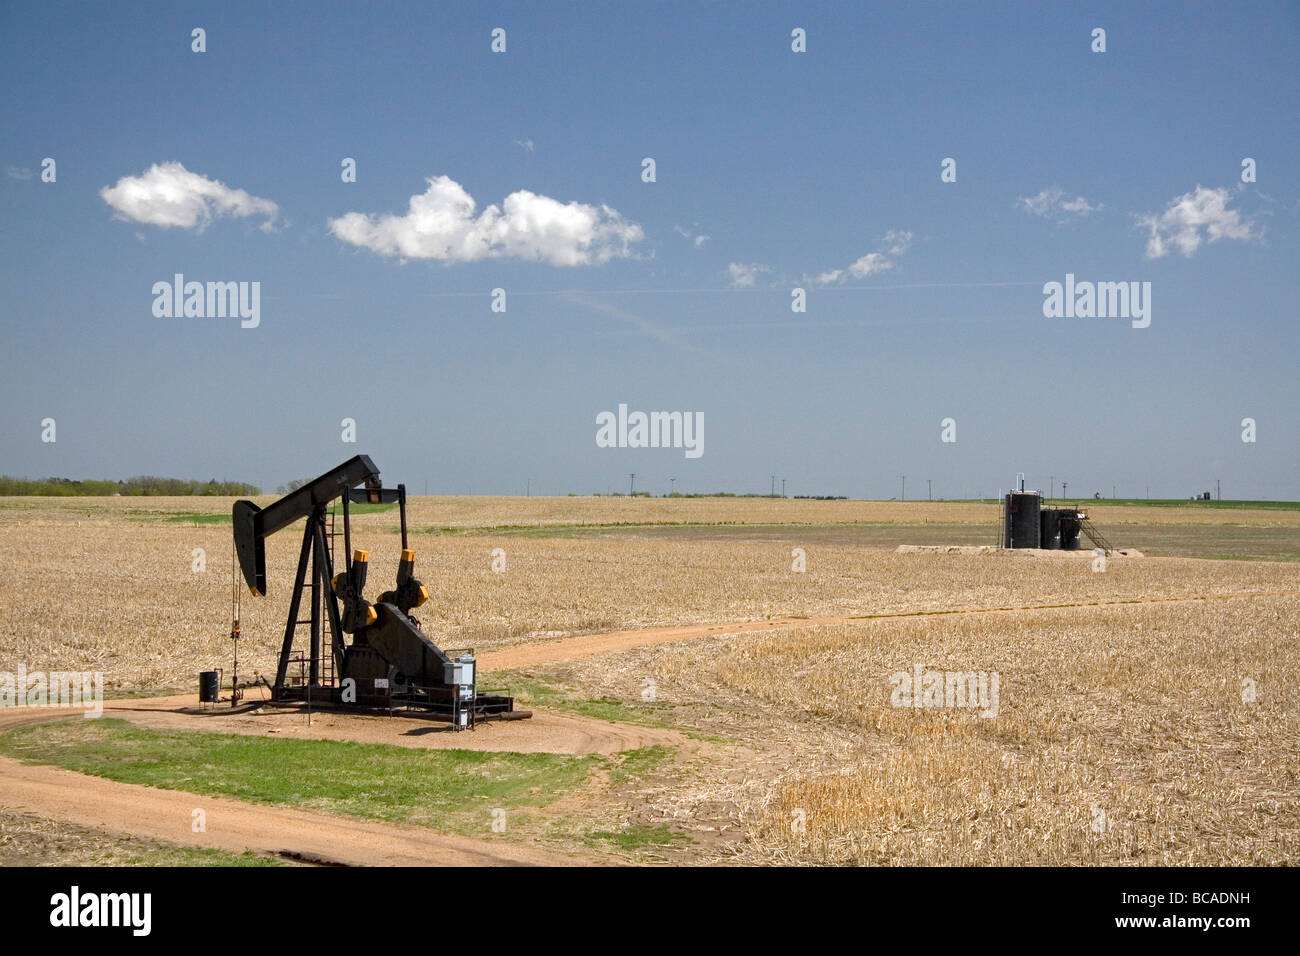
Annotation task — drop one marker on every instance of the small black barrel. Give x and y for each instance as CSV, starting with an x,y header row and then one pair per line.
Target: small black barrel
x,y
209,687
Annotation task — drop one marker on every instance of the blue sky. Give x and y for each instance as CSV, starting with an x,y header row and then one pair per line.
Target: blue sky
x,y
799,164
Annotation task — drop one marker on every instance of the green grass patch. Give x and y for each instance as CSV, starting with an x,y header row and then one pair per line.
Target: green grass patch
x,y
170,854
224,518
561,530
1177,503
198,517
364,508
450,790
533,692
179,517
639,836
700,528
559,697
639,763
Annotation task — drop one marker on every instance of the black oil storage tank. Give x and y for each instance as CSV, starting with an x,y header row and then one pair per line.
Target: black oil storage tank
x,y
1049,524
1070,528
1020,519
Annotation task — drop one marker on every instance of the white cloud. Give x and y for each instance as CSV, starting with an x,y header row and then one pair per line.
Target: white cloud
x,y
1204,211
696,239
19,172
744,276
525,144
440,223
897,242
894,244
168,194
1051,203
870,264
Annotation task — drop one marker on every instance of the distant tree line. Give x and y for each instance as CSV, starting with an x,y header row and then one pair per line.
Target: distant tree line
x,y
140,485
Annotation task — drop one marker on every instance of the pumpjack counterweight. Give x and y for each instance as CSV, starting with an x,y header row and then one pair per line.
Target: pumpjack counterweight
x,y
390,662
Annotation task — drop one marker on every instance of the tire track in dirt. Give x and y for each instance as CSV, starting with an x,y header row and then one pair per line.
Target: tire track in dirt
x,y
587,645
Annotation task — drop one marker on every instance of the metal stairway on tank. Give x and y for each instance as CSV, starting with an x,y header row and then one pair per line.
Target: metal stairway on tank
x,y
1095,536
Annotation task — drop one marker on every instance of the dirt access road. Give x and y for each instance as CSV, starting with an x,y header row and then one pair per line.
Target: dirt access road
x,y
587,645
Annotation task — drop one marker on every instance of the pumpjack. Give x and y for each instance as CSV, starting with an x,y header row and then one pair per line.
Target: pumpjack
x,y
390,662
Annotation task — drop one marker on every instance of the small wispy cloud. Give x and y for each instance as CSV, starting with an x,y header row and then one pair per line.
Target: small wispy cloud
x,y
892,245
19,172
526,145
637,324
696,239
897,242
1192,218
168,194
441,223
1052,203
746,276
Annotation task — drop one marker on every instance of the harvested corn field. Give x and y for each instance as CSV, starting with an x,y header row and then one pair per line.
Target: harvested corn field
x,y
1140,711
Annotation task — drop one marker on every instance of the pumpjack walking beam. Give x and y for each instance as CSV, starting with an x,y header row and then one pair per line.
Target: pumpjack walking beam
x,y
253,524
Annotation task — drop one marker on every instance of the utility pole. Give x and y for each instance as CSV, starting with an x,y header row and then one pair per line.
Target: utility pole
x,y
1051,487
773,495
671,483
1217,493
904,496
1112,492
528,489
1064,484
631,485
782,487
929,492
